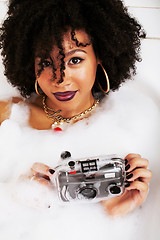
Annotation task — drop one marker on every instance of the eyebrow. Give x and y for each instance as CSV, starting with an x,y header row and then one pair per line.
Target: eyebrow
x,y
74,51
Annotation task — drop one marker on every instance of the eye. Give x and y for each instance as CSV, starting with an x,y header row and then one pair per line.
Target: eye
x,y
75,60
46,63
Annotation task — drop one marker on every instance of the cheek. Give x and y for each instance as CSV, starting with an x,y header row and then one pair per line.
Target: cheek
x,y
88,75
80,78
45,78
85,76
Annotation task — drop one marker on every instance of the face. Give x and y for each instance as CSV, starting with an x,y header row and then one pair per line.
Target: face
x,y
73,95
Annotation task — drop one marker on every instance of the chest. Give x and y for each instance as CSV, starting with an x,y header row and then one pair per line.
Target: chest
x,y
38,119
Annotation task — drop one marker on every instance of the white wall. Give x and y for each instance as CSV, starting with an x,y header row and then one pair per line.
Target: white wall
x,y
3,9
148,14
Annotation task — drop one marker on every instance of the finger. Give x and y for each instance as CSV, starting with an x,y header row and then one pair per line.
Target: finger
x,y
141,193
135,195
116,201
142,173
40,180
131,156
39,168
121,205
136,163
125,207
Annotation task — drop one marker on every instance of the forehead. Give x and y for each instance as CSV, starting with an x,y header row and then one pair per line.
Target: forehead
x,y
70,44
80,35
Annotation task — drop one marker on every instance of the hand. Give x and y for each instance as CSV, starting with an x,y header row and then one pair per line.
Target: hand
x,y
40,173
138,177
35,188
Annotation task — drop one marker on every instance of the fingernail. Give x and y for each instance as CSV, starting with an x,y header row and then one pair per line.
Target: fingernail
x,y
127,167
129,176
51,171
126,182
126,161
127,185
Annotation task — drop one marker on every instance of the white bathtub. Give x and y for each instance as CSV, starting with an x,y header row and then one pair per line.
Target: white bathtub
x,y
19,220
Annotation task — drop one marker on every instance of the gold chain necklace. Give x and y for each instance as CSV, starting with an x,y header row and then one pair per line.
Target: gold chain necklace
x,y
59,120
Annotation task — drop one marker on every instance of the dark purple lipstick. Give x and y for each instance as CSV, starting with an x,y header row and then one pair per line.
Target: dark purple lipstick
x,y
64,96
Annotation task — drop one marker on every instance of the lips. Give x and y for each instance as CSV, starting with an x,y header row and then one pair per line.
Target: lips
x,y
65,96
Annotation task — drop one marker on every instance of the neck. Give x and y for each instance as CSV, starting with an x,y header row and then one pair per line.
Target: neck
x,y
68,111
58,119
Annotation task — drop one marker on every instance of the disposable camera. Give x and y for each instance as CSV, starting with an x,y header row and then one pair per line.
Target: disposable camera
x,y
89,179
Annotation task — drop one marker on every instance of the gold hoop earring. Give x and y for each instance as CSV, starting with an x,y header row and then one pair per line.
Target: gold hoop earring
x,y
36,88
107,80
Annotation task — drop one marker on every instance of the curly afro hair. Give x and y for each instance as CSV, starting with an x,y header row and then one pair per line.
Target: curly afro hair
x,y
33,26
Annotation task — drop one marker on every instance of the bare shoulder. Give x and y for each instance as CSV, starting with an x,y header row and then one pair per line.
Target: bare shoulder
x,y
37,117
16,100
5,107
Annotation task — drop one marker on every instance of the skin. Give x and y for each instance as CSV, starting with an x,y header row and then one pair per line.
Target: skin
x,y
80,73
81,65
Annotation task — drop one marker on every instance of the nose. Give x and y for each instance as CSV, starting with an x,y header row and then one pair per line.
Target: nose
x,y
60,81
62,78
58,76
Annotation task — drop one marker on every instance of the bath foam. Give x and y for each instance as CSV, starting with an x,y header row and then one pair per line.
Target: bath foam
x,y
127,121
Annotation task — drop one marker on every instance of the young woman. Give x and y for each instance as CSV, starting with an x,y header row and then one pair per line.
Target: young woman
x,y
71,53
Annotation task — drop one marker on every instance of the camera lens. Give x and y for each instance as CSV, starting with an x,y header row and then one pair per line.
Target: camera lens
x,y
88,193
115,190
